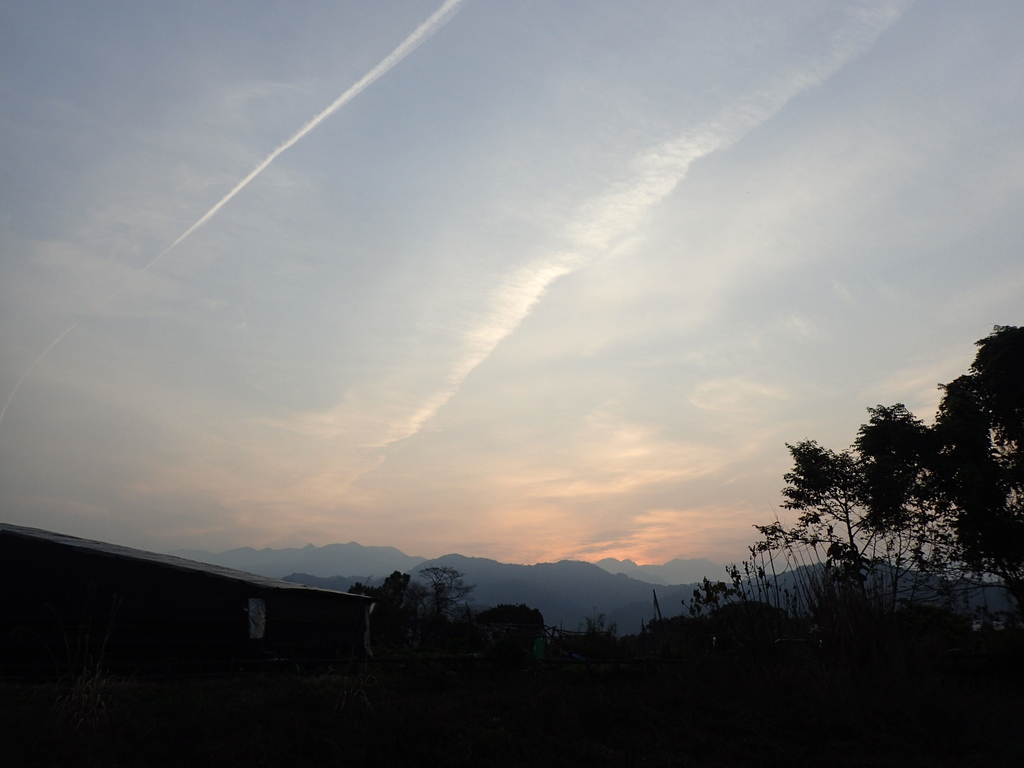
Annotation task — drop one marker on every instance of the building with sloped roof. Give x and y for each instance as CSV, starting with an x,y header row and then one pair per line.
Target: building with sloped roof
x,y
68,603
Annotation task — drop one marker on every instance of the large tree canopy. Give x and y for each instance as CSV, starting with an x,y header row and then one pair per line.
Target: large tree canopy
x,y
946,499
980,464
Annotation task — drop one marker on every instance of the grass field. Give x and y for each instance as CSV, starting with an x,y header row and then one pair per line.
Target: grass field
x,y
447,713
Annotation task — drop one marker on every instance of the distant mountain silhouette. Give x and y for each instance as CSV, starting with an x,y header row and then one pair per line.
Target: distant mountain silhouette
x,y
675,571
329,560
566,592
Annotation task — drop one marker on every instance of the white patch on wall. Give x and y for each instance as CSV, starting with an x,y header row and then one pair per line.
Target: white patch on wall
x,y
257,617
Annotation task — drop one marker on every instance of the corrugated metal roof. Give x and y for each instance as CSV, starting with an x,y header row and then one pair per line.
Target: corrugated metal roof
x,y
166,561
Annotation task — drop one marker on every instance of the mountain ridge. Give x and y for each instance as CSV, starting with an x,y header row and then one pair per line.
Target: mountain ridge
x,y
567,592
322,561
353,558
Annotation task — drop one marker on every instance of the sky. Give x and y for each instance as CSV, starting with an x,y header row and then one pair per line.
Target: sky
x,y
528,280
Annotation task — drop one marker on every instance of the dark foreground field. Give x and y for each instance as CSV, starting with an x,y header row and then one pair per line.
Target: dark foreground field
x,y
472,714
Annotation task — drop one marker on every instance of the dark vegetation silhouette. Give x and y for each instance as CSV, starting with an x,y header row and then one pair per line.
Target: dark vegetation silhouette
x,y
854,635
395,609
896,542
519,615
446,592
911,503
913,512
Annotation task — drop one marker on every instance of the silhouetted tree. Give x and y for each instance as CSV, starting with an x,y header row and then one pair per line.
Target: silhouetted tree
x,y
446,591
395,609
909,500
980,466
827,488
867,514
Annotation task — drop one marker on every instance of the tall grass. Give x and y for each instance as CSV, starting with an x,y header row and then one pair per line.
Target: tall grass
x,y
786,603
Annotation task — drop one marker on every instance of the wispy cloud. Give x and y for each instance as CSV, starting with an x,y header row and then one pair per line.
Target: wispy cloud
x,y
659,534
433,23
509,305
400,401
601,222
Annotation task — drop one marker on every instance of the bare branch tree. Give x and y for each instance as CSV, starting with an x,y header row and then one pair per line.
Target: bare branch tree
x,y
447,592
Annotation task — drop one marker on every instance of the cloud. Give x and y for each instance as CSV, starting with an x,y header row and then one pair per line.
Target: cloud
x,y
396,404
509,305
656,535
429,330
618,213
434,22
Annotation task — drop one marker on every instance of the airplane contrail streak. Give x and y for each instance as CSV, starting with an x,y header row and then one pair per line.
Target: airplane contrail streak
x,y
28,370
433,23
425,30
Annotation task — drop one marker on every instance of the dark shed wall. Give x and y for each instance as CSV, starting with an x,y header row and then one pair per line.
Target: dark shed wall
x,y
70,605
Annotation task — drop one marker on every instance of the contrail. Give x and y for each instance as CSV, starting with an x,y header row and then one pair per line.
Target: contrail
x,y
624,207
425,30
433,23
28,370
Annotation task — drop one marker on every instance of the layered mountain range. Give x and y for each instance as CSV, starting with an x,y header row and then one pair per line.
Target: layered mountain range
x,y
567,592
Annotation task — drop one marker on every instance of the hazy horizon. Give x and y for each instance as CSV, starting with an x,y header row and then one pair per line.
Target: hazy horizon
x,y
528,281
417,555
